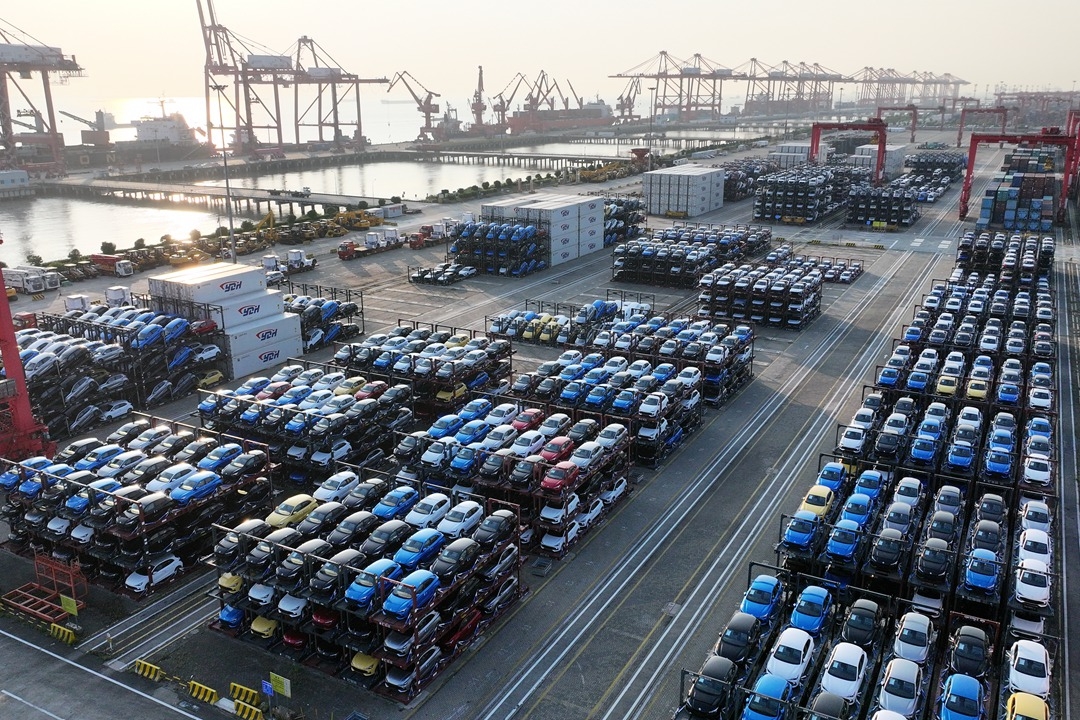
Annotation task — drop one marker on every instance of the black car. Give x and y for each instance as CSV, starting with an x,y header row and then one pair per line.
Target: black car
x,y
77,450
495,529
456,558
102,513
240,539
934,560
887,549
525,471
583,431
264,552
146,510
862,624
991,507
549,388
523,384
739,641
828,705
172,444
366,495
290,572
386,539
322,519
713,688
969,651
396,395
127,432
888,445
353,529
334,576
196,450
244,464
146,470
410,447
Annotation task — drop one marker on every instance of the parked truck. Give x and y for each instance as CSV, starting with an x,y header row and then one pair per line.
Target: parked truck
x,y
25,281
51,278
113,265
117,295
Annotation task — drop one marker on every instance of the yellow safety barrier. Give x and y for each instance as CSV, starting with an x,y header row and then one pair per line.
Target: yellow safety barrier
x,y
202,692
879,246
243,693
38,296
850,244
246,711
61,633
149,670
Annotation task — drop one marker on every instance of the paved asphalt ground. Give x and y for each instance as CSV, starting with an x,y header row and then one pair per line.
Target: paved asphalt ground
x,y
605,633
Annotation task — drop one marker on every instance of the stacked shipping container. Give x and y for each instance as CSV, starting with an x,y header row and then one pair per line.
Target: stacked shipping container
x,y
684,190
1022,196
866,156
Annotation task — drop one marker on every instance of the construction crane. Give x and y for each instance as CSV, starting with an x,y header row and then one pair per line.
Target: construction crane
x,y
21,435
424,105
874,125
503,101
97,124
624,106
478,107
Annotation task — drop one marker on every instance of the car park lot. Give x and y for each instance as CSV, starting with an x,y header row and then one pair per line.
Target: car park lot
x,y
602,641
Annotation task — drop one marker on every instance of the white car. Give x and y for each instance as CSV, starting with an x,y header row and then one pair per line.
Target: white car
x,y
654,404
556,543
590,513
1040,397
171,478
330,381
844,671
862,419
970,416
900,686
155,571
556,514
587,454
115,410
439,453
615,492
690,377
394,344
616,364
613,435
1038,470
1035,545
554,425
287,373
461,520
500,437
528,443
914,637
716,354
1033,584
502,414
790,656
897,424
206,353
337,404
338,451
316,399
429,511
474,357
308,377
1035,515
1029,668
603,339
336,487
853,439
568,358
639,368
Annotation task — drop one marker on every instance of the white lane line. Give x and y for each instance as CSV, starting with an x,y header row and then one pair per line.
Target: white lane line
x,y
1066,392
98,675
27,703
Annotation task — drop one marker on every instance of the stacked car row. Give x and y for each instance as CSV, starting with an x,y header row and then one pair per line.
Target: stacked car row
x,y
385,586
138,504
323,321
886,208
804,196
441,274
951,164
1027,255
502,248
82,371
562,324
679,256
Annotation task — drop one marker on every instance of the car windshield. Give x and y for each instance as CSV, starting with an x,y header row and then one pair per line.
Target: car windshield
x,y
983,567
1031,666
844,536
413,545
912,636
815,499
801,526
788,654
900,688
1034,579
295,558
767,706
843,670
759,596
710,685
964,706
403,591
809,607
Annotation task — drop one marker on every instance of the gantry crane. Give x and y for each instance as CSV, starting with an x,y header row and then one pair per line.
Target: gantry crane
x,y
1003,112
478,106
424,105
624,106
98,123
874,125
502,100
911,109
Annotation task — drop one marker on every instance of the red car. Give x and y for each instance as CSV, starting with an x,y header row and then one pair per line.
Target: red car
x,y
560,476
528,419
324,618
373,389
558,449
295,639
274,390
202,327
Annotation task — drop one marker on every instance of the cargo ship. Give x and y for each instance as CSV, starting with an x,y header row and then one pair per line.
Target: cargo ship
x,y
590,114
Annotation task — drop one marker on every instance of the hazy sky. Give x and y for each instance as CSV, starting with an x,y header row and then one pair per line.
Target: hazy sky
x,y
154,49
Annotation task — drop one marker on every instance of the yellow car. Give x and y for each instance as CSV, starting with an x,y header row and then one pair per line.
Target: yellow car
x,y
550,332
264,627
209,378
364,664
458,340
349,386
12,293
458,391
1025,706
818,500
292,511
288,298
230,583
946,385
531,331
977,389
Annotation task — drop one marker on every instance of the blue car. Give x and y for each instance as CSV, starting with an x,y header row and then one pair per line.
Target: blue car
x,y
626,402
763,598
386,360
416,590
573,393
833,476
664,372
888,377
47,477
253,386
961,698
923,451
843,543
912,334
467,459
769,699
422,545
1039,426
982,571
591,361
476,409
1001,440
220,456
99,457
812,610
255,412
79,503
14,476
1008,394
802,531
870,483
571,372
294,395
181,357
597,376
960,456
196,486
472,431
859,508
212,403
929,428
917,380
175,329
445,426
148,336
301,422
600,396
997,463
396,503
371,584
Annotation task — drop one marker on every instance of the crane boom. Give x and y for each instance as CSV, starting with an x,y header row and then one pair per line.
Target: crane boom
x,y
424,105
94,124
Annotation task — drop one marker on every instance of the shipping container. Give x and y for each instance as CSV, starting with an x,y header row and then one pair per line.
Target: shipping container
x,y
563,254
209,283
262,333
236,311
263,359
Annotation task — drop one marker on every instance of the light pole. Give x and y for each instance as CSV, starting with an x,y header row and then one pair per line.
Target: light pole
x,y
652,111
228,189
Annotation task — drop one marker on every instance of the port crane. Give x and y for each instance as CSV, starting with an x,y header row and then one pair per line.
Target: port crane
x,y
424,105
1003,112
98,123
874,125
478,106
502,100
624,106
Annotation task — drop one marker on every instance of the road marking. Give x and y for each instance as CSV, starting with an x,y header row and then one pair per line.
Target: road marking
x,y
917,242
40,709
944,244
98,675
1065,375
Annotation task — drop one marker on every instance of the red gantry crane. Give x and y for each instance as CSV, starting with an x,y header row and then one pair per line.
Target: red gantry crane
x,y
1003,112
424,105
1048,136
911,109
874,125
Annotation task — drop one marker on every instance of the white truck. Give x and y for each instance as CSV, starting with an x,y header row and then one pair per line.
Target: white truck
x,y
76,302
51,277
25,281
296,261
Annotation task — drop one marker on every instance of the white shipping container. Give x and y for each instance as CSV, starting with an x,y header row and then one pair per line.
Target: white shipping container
x,y
586,247
262,359
564,254
248,308
591,234
210,284
266,332
562,243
